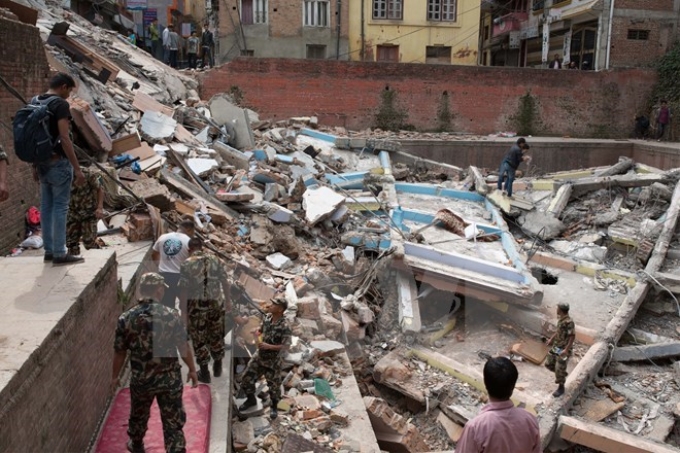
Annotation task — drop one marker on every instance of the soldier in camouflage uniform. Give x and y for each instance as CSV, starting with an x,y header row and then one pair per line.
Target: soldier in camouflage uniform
x,y
153,334
85,208
562,342
203,284
274,338
4,193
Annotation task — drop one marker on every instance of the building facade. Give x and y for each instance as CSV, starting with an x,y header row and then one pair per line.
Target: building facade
x,y
282,28
593,34
409,31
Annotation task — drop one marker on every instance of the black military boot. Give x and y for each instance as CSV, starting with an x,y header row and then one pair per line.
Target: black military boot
x,y
217,368
274,412
135,447
559,392
248,403
204,374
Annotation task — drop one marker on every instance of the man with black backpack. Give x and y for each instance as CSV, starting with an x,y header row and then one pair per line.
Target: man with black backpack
x,y
54,168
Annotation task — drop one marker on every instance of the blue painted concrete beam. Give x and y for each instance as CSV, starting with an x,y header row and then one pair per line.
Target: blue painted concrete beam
x,y
507,240
437,191
260,155
319,135
385,162
353,180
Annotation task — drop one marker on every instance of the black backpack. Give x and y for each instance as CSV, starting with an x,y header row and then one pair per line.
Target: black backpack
x,y
33,142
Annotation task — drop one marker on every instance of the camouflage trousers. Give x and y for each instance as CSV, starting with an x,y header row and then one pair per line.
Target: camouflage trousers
x,y
559,366
169,400
206,330
80,227
259,367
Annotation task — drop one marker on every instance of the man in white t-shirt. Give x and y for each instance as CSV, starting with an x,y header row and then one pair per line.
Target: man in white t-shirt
x,y
169,252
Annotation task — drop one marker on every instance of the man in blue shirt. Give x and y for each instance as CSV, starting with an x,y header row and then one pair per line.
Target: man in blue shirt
x,y
510,163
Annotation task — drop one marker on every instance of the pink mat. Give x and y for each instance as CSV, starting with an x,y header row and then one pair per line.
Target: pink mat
x,y
197,404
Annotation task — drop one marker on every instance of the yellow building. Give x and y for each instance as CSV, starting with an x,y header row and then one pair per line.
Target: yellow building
x,y
415,31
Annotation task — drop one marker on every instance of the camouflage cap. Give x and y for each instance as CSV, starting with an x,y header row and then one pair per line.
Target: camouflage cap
x,y
280,301
152,279
564,307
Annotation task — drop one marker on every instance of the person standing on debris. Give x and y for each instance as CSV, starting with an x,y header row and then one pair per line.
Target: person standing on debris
x,y
274,338
169,252
562,342
155,37
192,50
85,209
510,163
56,174
173,46
203,285
500,427
207,43
663,119
4,193
153,334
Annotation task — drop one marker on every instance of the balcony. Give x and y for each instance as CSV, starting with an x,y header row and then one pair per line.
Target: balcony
x,y
509,22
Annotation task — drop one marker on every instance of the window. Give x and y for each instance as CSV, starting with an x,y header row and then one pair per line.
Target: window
x,y
638,35
316,13
253,12
438,54
441,10
316,51
388,53
538,5
388,9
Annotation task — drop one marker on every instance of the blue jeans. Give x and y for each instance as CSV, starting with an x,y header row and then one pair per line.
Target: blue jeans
x,y
55,192
508,172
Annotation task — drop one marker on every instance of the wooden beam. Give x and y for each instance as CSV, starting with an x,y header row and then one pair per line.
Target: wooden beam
x,y
605,439
649,351
481,186
560,200
587,368
624,164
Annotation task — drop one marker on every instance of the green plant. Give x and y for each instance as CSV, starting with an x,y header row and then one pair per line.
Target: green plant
x,y
390,116
444,115
668,68
526,121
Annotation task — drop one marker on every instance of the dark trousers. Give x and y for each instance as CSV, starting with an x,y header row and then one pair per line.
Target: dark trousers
x,y
156,49
172,415
207,52
173,58
171,293
661,130
509,173
193,60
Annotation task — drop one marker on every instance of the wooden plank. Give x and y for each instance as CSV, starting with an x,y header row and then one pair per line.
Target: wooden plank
x,y
532,350
598,410
188,190
605,439
644,352
24,13
453,429
145,103
179,161
125,143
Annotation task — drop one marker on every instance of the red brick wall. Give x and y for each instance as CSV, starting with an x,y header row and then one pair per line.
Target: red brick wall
x,y
56,399
482,99
649,5
24,66
632,52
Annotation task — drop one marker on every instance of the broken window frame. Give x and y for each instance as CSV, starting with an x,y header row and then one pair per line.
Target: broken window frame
x,y
316,13
391,50
438,54
442,10
388,9
253,12
317,50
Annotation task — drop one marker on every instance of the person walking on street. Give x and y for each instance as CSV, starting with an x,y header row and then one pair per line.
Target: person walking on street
x,y
663,119
169,252
500,427
4,192
510,163
85,209
562,342
173,46
153,334
155,36
56,174
192,50
274,338
203,285
207,44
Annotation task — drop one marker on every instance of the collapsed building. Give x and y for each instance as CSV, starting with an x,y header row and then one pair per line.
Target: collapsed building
x,y
402,274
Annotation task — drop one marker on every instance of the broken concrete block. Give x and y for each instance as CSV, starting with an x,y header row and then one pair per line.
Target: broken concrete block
x,y
308,308
352,329
260,231
391,368
232,156
347,258
541,224
242,432
201,166
594,238
453,429
331,326
366,315
139,227
224,112
301,284
279,261
156,126
154,193
328,348
280,214
394,432
234,197
319,203
92,130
